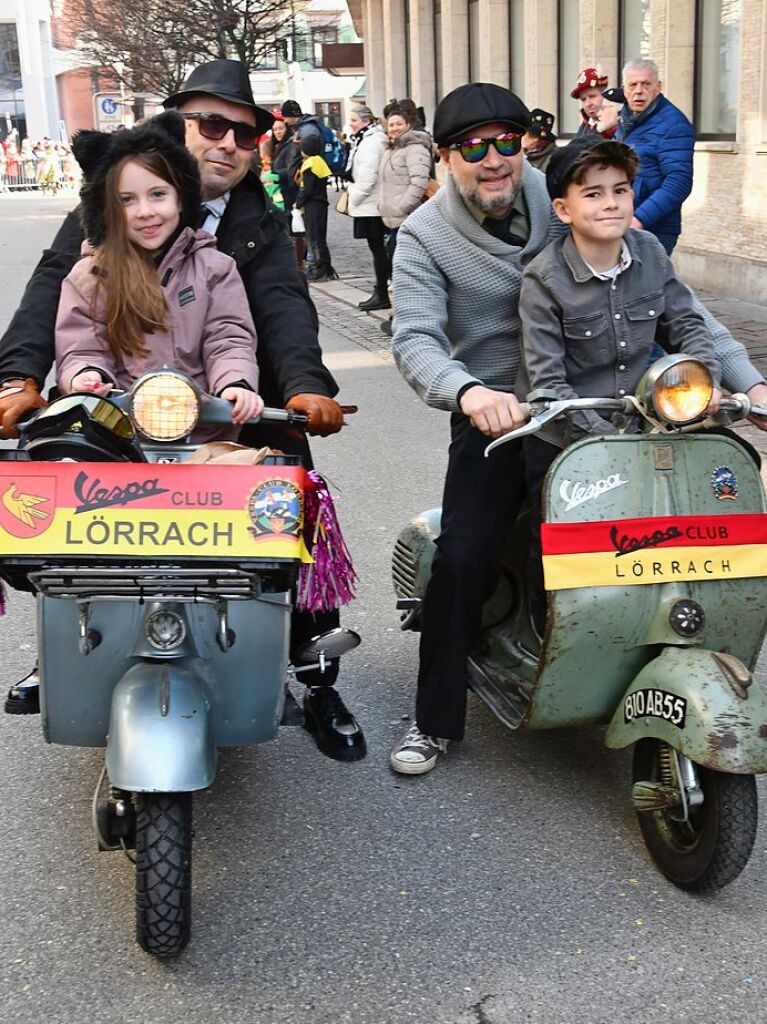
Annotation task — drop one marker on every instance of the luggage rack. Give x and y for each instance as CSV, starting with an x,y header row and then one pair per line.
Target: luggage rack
x,y
142,583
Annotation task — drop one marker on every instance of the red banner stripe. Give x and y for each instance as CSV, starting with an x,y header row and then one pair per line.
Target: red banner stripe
x,y
624,536
88,487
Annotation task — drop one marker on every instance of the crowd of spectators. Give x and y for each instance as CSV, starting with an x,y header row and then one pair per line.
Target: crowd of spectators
x,y
47,166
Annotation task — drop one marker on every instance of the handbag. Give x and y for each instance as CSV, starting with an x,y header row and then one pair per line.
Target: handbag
x,y
343,203
297,226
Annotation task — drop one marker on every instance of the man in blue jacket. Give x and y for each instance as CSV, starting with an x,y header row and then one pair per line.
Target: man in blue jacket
x,y
664,140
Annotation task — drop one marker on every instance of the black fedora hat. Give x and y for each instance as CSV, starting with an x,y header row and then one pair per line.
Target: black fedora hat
x,y
228,80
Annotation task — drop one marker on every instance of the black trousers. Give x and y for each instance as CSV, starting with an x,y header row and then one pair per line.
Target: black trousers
x,y
481,500
316,221
381,263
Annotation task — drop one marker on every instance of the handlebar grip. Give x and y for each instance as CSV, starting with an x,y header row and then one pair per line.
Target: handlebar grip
x,y
527,409
295,419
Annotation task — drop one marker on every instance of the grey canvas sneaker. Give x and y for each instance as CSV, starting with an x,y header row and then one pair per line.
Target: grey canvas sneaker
x,y
416,753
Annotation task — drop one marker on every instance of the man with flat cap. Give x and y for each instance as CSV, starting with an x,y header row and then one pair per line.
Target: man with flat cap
x,y
223,127
457,341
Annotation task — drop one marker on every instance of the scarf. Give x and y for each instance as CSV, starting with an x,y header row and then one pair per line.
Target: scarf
x,y
629,121
356,139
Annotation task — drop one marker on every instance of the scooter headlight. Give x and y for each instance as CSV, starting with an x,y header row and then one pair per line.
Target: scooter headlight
x,y
677,389
165,406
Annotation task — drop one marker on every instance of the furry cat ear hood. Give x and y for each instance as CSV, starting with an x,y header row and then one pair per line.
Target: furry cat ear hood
x,y
96,152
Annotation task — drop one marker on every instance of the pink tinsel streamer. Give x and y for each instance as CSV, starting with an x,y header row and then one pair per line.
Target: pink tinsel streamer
x,y
328,581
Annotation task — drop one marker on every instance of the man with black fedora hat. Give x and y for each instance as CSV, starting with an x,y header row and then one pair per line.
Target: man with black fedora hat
x,y
457,339
224,124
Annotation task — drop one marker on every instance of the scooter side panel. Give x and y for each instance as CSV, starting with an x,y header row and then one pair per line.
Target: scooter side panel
x,y
598,638
76,689
246,682
683,698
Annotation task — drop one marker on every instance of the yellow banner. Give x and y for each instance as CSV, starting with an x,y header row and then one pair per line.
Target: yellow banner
x,y
155,533
658,565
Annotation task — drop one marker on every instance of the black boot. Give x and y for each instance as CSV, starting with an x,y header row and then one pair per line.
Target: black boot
x,y
325,273
378,300
334,727
24,697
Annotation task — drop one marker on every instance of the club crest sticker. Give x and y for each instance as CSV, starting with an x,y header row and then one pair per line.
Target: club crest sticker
x,y
724,483
276,507
27,505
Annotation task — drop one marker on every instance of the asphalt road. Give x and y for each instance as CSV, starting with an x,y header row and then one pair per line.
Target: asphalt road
x,y
509,886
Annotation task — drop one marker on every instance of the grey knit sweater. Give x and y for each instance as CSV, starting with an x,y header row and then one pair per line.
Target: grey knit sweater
x,y
456,294
456,299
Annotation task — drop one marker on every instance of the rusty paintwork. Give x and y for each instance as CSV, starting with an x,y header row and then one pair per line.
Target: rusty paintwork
x,y
722,730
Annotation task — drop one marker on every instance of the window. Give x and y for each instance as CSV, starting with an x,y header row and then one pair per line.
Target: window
x,y
438,49
11,91
329,112
569,65
517,47
634,30
717,60
475,74
319,37
269,58
406,15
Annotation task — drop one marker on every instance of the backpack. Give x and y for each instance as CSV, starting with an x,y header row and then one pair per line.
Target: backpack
x,y
333,152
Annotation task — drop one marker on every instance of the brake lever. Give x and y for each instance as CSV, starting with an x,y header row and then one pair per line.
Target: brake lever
x,y
533,425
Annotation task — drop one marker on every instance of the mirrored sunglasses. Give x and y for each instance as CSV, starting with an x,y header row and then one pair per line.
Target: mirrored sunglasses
x,y
474,150
215,127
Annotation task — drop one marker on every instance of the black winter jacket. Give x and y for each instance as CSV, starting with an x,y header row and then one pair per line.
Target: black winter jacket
x,y
289,355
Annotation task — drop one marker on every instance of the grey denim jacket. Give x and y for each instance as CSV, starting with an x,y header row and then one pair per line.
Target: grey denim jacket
x,y
591,338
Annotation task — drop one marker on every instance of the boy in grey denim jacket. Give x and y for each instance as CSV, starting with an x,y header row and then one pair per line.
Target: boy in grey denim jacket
x,y
592,305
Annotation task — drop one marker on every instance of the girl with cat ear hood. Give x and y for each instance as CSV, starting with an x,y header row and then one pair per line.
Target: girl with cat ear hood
x,y
151,290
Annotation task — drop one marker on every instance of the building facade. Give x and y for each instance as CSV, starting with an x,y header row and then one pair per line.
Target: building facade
x,y
712,56
293,68
28,99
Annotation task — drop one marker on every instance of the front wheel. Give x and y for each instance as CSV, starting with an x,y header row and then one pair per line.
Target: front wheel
x,y
706,848
163,871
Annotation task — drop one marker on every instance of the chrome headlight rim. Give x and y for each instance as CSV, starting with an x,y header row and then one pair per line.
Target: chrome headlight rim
x,y
653,380
149,379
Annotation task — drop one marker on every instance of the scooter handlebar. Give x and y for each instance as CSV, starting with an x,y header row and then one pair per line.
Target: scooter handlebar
x,y
553,410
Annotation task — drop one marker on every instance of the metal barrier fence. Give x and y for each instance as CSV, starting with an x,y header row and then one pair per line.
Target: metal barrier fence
x,y
26,179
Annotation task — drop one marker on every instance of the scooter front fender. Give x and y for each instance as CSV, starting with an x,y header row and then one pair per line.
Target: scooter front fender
x,y
160,730
685,698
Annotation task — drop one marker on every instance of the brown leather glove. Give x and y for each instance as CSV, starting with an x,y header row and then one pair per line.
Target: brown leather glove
x,y
325,414
17,398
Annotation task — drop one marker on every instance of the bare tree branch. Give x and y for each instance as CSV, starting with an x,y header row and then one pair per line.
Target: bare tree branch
x,y
151,45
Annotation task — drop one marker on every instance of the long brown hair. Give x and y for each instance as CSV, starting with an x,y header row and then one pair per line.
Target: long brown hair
x,y
134,299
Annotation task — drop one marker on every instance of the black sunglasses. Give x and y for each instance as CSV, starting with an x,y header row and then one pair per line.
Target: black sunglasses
x,y
215,127
474,150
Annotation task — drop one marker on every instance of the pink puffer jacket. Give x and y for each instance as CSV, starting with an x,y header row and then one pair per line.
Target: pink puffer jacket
x,y
210,332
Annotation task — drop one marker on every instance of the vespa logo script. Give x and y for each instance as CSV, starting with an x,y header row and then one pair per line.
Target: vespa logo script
x,y
92,495
574,493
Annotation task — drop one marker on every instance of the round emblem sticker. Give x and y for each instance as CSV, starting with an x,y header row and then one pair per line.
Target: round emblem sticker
x,y
724,483
276,507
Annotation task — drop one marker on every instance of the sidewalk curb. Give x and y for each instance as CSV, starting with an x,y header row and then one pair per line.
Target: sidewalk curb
x,y
349,294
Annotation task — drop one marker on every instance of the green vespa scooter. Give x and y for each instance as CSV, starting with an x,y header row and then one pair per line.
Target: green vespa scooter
x,y
655,563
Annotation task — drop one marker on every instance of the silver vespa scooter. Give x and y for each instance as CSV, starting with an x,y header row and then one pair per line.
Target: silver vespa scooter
x,y
164,592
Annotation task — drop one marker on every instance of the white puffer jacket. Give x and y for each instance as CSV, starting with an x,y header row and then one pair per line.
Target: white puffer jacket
x,y
365,190
404,174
